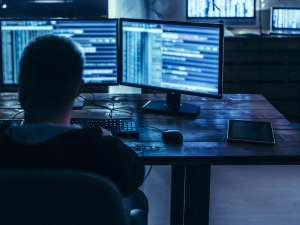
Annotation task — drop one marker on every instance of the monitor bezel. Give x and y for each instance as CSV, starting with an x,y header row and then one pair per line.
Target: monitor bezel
x,y
221,57
86,87
273,28
226,20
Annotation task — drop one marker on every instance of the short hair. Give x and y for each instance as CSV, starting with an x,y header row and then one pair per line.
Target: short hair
x,y
50,73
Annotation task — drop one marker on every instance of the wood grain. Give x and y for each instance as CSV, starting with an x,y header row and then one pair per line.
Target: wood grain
x,y
204,137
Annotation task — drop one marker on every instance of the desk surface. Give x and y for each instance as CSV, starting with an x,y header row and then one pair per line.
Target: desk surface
x,y
205,136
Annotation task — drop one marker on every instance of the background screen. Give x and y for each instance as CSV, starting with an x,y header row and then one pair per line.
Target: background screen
x,y
286,19
221,8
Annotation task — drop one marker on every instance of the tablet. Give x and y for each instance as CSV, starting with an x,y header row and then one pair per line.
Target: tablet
x,y
250,131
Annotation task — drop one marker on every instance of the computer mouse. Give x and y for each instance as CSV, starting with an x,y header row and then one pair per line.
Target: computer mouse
x,y
172,137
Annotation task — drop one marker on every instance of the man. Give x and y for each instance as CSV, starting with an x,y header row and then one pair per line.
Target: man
x,y
50,78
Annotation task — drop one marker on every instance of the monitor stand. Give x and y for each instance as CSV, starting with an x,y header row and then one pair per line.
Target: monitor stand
x,y
172,105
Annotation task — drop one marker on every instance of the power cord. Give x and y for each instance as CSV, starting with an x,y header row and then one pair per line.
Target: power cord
x,y
17,114
152,127
111,107
82,97
148,173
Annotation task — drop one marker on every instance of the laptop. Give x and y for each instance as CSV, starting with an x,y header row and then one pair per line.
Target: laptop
x,y
285,21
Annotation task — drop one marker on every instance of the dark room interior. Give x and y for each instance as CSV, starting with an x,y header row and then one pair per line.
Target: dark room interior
x,y
150,112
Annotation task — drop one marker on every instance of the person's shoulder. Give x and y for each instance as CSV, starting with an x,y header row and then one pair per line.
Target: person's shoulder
x,y
3,135
79,137
6,142
87,132
93,134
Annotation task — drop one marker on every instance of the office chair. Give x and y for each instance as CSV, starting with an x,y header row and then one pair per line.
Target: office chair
x,y
61,198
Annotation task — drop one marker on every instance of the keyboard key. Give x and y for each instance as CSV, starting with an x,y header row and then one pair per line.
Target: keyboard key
x,y
125,127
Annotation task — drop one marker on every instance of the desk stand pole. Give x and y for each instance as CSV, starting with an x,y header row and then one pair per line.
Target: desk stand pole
x,y
190,195
177,195
197,195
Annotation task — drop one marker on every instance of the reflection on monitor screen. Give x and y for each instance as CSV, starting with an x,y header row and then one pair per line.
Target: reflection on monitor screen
x,y
221,8
168,56
98,40
286,19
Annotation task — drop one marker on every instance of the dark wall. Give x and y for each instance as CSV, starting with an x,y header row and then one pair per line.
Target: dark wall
x,y
61,8
265,65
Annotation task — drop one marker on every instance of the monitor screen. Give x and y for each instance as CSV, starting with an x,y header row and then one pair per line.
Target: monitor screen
x,y
183,57
97,38
286,18
221,8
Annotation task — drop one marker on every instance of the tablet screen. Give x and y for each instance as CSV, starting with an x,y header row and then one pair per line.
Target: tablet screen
x,y
250,131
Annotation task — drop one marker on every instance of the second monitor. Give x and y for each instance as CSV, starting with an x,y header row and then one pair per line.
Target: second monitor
x,y
97,38
180,58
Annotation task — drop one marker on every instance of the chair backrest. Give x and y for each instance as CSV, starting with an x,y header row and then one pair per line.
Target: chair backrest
x,y
59,198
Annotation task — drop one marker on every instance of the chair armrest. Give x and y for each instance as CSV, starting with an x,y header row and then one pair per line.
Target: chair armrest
x,y
138,217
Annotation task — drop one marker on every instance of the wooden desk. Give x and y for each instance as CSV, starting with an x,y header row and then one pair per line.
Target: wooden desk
x,y
205,142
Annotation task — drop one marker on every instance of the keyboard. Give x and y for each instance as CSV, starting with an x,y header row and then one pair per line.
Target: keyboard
x,y
124,127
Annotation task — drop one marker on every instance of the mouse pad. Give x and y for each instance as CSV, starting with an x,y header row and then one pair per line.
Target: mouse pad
x,y
250,131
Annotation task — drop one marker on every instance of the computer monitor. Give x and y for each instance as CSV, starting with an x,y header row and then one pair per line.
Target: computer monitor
x,y
97,38
177,57
53,9
231,12
285,20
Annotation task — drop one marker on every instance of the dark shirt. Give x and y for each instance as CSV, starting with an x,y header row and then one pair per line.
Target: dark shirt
x,y
77,149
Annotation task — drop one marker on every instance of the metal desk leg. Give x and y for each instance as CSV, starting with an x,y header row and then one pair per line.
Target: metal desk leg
x,y
177,195
197,195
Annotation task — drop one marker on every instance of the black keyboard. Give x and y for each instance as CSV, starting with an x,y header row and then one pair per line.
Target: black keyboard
x,y
125,127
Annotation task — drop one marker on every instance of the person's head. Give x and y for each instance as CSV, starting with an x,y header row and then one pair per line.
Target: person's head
x,y
50,77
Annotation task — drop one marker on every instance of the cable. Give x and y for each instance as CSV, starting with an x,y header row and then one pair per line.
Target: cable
x,y
148,173
16,114
84,98
93,98
152,127
112,109
110,106
101,106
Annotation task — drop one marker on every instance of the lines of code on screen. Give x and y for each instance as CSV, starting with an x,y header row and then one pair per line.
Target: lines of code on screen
x,y
221,8
184,58
98,39
286,19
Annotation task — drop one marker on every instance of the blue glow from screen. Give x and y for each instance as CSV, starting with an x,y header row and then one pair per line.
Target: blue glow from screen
x,y
221,8
286,19
98,39
177,57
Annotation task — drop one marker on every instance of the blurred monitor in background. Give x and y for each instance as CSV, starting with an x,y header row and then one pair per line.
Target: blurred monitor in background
x,y
166,9
128,9
54,8
231,12
148,9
